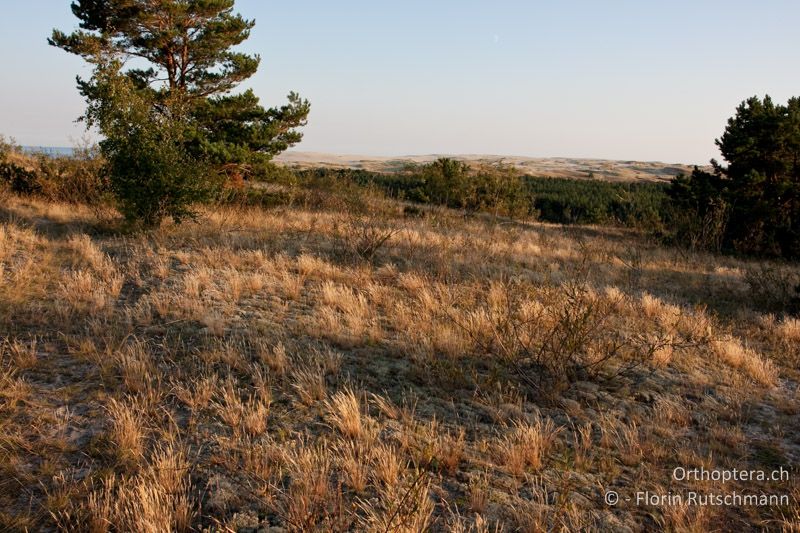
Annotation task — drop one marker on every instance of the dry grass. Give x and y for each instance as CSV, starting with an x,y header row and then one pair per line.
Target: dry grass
x,y
405,507
274,357
266,368
354,462
478,494
156,500
248,415
309,383
344,414
789,330
754,365
23,354
387,464
582,442
527,446
127,432
135,366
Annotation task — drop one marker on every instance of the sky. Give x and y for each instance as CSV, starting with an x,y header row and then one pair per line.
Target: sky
x,y
634,80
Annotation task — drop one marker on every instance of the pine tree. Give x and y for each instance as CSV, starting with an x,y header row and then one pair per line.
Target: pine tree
x,y
760,186
190,66
176,58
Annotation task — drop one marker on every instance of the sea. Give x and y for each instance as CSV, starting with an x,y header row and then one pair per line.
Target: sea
x,y
53,151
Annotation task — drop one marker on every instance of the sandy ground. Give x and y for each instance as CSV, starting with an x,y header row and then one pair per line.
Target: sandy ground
x,y
553,167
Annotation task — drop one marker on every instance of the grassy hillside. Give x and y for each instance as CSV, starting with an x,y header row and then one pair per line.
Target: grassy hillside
x,y
340,366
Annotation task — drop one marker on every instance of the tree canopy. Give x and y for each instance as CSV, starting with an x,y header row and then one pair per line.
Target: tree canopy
x,y
162,96
754,201
181,53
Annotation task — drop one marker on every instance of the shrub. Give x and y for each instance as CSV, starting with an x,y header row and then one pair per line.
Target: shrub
x,y
446,182
79,179
269,172
363,236
571,201
76,179
154,177
773,288
19,179
553,336
499,190
151,172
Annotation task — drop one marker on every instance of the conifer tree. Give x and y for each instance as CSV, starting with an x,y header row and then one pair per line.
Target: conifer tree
x,y
184,48
759,190
175,59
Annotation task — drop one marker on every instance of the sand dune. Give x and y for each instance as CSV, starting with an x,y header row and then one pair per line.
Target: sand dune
x,y
550,166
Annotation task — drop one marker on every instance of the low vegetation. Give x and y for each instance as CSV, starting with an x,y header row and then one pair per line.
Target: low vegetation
x,y
502,191
468,374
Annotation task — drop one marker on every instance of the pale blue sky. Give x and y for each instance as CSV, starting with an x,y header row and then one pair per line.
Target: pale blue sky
x,y
647,80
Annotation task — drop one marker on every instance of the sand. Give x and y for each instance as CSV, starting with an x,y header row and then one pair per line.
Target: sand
x,y
551,166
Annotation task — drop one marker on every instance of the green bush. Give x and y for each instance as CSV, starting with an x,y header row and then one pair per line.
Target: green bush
x,y
446,182
499,190
153,176
269,172
151,171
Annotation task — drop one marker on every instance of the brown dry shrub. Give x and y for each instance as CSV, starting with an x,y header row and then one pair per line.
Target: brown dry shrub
x,y
551,337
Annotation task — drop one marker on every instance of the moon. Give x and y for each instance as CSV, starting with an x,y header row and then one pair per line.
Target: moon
x,y
496,39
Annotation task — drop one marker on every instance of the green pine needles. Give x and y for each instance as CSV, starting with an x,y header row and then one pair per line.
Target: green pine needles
x,y
752,205
161,96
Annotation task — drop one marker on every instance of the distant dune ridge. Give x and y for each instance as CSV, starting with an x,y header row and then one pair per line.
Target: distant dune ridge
x,y
557,167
